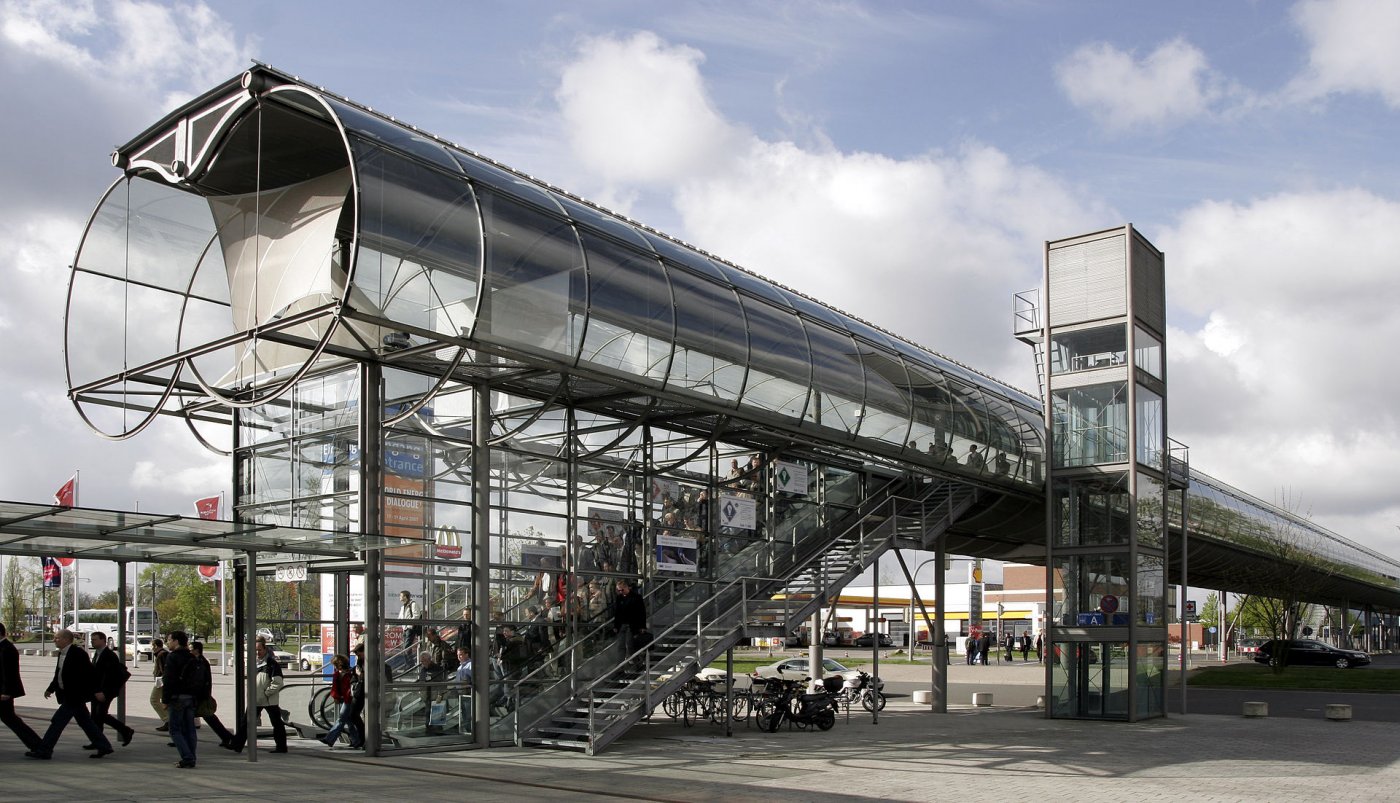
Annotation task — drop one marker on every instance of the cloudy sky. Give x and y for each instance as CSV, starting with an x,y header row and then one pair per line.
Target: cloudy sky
x,y
904,161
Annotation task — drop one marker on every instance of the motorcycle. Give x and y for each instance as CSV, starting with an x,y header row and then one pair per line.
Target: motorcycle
x,y
801,709
862,688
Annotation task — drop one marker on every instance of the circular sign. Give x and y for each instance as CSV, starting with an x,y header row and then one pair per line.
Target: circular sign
x,y
1210,630
64,562
1108,604
209,572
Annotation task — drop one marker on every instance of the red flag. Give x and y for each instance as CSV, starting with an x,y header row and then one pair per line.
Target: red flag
x,y
212,573
208,508
67,493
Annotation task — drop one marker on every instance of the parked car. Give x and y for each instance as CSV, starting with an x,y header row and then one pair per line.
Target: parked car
x,y
311,656
797,668
138,647
868,640
270,636
1310,652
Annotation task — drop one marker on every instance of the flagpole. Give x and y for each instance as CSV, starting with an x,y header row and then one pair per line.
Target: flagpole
x,y
77,481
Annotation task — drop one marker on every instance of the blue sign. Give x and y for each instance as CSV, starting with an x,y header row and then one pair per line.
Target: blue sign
x,y
1091,619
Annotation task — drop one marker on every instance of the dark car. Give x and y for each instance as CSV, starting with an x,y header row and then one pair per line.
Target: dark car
x,y
1308,652
868,640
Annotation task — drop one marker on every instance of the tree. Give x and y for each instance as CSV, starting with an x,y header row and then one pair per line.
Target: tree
x,y
21,586
195,609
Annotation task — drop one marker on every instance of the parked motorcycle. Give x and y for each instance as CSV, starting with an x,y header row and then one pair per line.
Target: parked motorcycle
x,y
863,689
802,710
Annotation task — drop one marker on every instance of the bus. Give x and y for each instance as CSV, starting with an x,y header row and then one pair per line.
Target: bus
x,y
86,621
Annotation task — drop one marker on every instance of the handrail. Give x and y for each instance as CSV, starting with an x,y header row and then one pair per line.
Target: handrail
x,y
797,560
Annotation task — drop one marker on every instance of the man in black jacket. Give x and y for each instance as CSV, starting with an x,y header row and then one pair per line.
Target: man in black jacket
x,y
181,694
109,678
629,618
72,682
12,686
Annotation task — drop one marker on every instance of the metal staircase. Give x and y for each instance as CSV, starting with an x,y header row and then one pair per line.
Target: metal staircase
x,y
767,588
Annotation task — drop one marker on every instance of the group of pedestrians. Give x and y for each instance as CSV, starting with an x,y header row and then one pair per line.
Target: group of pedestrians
x,y
183,693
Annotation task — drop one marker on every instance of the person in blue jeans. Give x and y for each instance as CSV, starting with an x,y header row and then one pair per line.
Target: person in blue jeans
x,y
342,685
180,693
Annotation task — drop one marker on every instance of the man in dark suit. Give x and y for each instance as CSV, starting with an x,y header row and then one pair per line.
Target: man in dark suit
x,y
11,686
109,677
72,681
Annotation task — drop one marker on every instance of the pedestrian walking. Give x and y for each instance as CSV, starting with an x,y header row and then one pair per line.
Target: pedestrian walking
x,y
109,679
158,654
1039,649
182,688
1025,646
269,682
984,647
12,687
72,682
342,691
208,708
629,618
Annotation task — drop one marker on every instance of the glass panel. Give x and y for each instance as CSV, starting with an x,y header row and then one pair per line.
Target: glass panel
x,y
1151,679
630,322
674,252
887,408
780,364
712,345
1091,512
1096,590
1087,349
1151,590
600,221
836,380
420,239
506,182
1151,524
1151,435
933,408
1091,425
1147,352
535,277
394,135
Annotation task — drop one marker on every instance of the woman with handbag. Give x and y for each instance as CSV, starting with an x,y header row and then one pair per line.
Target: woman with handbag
x,y
342,683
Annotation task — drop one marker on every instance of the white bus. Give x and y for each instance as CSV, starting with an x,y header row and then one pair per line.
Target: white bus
x,y
86,621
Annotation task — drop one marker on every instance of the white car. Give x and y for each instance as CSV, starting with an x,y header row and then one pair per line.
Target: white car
x,y
311,656
138,647
797,668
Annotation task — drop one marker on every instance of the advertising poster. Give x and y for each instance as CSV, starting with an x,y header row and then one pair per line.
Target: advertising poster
x,y
532,556
601,519
675,553
662,488
738,512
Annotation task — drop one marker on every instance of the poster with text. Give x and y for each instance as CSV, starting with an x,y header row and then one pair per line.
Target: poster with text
x,y
675,553
790,478
738,512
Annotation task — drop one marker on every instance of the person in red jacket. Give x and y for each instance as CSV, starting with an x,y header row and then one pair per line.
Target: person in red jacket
x,y
342,691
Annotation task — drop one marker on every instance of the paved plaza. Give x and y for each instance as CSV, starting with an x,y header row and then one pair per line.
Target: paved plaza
x,y
1006,752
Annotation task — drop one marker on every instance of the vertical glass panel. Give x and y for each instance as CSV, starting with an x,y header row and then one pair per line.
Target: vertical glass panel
x,y
420,240
1091,512
1096,590
1151,434
967,426
1151,590
712,344
534,276
887,405
1151,679
1087,349
1151,523
836,379
932,410
630,322
1091,424
1147,352
1089,680
780,364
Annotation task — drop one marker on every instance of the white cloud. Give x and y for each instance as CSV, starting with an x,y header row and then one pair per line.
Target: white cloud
x,y
637,110
1287,380
1351,48
136,47
1171,85
926,247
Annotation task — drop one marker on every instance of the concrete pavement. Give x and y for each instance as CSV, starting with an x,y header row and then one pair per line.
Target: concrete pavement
x,y
1002,753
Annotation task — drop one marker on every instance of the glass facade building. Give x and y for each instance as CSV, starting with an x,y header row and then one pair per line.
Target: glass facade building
x,y
543,398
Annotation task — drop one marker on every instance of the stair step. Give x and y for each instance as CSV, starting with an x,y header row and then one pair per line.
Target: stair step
x,y
566,744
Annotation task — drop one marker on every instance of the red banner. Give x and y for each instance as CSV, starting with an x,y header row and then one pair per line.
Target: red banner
x,y
53,576
208,508
67,493
211,573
